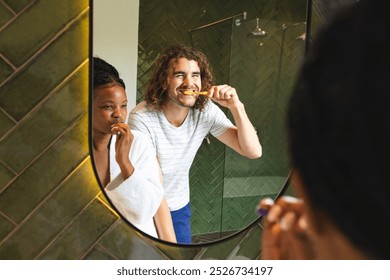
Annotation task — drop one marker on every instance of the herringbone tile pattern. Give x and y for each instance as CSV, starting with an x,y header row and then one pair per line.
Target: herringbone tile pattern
x,y
51,206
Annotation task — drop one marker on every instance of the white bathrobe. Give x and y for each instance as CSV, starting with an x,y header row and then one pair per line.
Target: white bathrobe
x,y
138,197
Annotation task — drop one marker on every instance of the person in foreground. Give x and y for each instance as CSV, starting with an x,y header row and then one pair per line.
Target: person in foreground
x,y
178,112
125,160
339,133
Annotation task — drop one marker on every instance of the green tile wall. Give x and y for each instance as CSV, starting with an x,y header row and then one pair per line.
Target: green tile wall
x,y
5,227
40,18
5,14
124,243
263,70
17,5
46,71
75,241
5,70
5,176
51,205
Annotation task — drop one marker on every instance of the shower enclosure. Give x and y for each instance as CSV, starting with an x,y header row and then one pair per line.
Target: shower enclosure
x,y
260,58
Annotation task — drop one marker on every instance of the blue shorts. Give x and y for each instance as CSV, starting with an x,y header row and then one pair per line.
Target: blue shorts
x,y
181,224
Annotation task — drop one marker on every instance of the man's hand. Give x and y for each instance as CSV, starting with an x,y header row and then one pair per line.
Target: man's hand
x,y
224,95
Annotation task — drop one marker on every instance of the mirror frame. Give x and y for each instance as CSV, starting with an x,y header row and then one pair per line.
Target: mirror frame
x,y
158,241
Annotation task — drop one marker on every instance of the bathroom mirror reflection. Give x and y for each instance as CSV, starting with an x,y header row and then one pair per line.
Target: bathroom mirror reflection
x,y
255,46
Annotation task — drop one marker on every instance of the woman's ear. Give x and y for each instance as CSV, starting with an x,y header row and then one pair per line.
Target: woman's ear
x,y
314,216
309,215
298,185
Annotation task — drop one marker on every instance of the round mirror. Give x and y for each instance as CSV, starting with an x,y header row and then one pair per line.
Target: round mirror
x,y
224,186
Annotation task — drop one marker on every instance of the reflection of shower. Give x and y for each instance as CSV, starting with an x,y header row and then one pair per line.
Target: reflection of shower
x,y
237,22
258,31
285,26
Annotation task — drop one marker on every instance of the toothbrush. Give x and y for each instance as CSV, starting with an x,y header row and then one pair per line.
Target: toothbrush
x,y
196,92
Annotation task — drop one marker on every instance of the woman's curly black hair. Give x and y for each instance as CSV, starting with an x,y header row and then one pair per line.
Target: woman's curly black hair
x,y
104,74
339,125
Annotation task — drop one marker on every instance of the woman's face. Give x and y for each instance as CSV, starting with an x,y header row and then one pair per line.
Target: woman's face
x,y
109,107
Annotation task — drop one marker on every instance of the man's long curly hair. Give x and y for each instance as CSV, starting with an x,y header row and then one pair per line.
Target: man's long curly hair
x,y
156,96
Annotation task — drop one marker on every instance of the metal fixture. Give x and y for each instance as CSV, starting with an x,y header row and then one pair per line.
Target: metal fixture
x,y
237,22
258,31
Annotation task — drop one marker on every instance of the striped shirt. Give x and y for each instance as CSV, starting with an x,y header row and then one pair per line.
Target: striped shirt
x,y
176,147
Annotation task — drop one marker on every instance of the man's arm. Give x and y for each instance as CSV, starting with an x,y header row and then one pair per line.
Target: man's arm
x,y
243,137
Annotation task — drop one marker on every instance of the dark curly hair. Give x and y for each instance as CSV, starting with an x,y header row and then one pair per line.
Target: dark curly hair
x,y
155,95
104,74
339,122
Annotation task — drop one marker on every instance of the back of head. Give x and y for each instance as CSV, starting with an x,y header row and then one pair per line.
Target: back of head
x,y
104,74
339,124
155,95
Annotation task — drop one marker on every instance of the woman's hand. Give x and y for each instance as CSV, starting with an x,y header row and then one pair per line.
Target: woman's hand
x,y
124,139
285,232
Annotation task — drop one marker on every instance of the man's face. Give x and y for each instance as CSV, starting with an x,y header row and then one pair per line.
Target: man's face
x,y
109,107
184,75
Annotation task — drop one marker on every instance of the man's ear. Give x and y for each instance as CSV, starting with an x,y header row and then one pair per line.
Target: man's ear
x,y
164,85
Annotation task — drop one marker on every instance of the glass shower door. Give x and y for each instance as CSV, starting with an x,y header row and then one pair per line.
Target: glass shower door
x,y
225,186
264,59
